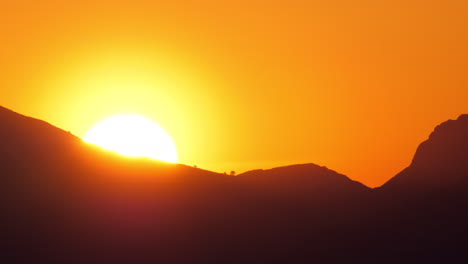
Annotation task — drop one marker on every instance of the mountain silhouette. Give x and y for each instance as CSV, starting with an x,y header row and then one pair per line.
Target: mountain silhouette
x,y
439,162
66,201
424,207
305,176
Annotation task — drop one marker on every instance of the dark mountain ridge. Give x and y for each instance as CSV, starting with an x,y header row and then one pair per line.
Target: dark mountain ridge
x,y
66,200
440,162
305,176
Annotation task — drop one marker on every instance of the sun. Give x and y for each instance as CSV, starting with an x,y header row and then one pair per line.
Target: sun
x,y
133,135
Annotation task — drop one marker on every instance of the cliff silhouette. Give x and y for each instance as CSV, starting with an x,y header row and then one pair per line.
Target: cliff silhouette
x,y
440,161
66,201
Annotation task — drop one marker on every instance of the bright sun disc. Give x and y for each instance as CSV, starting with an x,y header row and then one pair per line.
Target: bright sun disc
x,y
133,135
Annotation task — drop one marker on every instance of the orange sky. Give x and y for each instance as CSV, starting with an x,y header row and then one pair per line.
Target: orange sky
x,y
239,85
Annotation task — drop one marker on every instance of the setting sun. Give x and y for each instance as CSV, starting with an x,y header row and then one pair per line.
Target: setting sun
x,y
133,135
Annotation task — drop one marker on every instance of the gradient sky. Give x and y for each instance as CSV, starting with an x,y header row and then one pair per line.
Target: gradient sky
x,y
352,85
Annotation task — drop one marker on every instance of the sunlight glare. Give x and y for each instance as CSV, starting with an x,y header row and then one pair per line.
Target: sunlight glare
x,y
133,135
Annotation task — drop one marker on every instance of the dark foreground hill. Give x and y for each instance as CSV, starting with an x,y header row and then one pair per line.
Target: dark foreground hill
x,y
425,207
69,202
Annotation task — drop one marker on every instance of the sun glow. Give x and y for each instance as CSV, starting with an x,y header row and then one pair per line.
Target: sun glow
x,y
133,135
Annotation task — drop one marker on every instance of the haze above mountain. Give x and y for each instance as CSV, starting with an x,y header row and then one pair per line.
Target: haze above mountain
x,y
68,200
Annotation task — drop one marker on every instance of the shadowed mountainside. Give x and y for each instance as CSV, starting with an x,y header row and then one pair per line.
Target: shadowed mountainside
x,y
68,201
425,207
439,162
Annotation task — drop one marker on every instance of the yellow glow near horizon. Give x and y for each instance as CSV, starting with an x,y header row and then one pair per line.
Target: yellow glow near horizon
x,y
133,135
242,85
